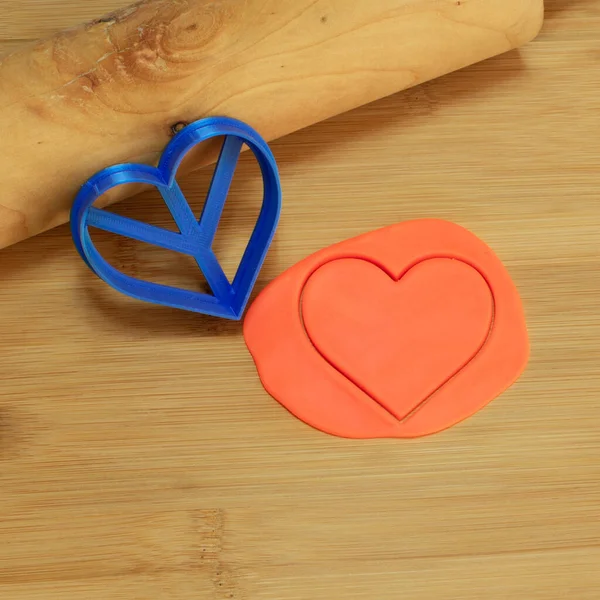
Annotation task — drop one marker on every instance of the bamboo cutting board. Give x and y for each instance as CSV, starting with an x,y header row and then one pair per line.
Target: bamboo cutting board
x,y
141,459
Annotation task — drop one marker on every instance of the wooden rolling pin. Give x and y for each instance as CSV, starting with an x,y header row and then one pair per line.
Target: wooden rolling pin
x,y
112,90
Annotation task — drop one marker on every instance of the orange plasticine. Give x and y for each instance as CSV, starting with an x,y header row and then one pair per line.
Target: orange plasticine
x,y
401,332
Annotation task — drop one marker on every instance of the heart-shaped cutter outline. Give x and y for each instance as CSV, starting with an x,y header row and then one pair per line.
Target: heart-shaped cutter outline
x,y
196,237
396,279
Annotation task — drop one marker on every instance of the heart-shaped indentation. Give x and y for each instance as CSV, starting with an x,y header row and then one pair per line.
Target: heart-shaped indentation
x,y
399,340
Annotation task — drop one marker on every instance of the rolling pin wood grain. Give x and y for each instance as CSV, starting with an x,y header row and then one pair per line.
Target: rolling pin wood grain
x,y
112,90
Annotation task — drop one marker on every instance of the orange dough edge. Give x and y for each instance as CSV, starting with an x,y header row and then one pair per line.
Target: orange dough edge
x,y
336,392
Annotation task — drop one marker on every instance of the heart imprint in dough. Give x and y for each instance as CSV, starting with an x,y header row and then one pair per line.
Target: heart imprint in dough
x,y
399,340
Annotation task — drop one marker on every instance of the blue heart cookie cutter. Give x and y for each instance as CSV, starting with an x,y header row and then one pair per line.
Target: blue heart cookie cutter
x,y
195,237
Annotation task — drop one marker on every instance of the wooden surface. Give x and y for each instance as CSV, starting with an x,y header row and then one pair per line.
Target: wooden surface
x,y
141,459
112,89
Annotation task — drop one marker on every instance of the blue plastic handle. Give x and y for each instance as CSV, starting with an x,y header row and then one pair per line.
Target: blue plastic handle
x,y
195,238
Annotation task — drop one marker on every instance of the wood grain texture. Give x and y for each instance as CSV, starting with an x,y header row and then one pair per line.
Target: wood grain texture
x,y
141,459
112,89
